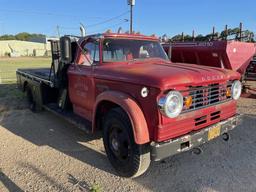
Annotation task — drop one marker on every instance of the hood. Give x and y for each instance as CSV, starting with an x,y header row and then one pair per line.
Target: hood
x,y
165,75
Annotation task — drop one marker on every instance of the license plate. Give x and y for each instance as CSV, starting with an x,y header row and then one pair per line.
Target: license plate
x,y
214,132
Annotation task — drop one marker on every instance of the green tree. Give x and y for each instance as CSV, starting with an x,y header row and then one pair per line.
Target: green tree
x,y
24,36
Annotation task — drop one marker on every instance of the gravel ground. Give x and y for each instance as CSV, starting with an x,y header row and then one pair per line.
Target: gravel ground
x,y
40,152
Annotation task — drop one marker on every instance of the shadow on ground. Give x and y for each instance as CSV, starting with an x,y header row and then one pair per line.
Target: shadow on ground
x,y
9,184
223,166
44,128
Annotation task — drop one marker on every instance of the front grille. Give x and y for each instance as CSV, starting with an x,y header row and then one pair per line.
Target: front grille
x,y
215,116
204,96
200,120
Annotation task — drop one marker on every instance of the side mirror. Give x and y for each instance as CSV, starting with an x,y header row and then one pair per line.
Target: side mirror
x,y
66,52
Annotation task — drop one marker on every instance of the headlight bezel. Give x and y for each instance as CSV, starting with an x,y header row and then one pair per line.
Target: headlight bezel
x,y
164,100
233,86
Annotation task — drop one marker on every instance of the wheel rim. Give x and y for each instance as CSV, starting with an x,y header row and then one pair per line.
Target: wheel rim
x,y
119,144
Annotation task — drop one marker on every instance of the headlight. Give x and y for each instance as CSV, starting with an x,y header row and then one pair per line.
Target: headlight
x,y
171,105
236,89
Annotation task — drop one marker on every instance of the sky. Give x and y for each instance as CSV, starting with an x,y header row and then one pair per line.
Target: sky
x,y
158,17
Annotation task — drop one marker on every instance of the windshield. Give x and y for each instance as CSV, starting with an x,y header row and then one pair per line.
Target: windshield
x,y
117,50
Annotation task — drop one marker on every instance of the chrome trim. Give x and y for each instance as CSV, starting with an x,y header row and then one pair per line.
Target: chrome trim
x,y
161,150
217,103
161,103
206,96
164,99
232,87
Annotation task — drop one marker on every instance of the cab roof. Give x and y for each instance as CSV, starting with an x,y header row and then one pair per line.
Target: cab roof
x,y
124,36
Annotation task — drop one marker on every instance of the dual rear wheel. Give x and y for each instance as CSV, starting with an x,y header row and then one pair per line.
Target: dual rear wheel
x,y
30,99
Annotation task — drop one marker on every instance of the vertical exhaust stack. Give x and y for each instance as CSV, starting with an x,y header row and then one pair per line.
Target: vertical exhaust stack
x,y
119,30
82,30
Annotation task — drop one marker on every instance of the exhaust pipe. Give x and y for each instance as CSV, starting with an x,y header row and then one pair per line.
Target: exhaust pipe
x,y
82,30
119,30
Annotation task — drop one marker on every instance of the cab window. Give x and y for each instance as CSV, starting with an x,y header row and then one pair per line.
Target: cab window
x,y
90,53
116,50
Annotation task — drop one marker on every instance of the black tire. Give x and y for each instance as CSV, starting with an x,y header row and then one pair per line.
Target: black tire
x,y
30,99
128,158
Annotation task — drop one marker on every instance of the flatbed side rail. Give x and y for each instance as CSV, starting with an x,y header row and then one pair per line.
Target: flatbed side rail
x,y
35,78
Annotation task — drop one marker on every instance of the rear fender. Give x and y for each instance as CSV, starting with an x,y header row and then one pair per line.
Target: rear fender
x,y
136,116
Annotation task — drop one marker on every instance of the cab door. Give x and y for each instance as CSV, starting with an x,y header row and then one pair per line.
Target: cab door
x,y
81,80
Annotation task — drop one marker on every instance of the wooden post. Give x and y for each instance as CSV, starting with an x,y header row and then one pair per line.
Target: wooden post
x,y
182,37
213,33
226,32
240,31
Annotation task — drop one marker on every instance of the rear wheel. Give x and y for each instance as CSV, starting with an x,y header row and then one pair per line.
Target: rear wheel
x,y
30,99
128,158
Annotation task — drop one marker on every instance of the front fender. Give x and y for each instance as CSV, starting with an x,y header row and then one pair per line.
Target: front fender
x,y
136,116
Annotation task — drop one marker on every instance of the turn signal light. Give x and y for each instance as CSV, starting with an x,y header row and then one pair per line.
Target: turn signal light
x,y
228,92
188,101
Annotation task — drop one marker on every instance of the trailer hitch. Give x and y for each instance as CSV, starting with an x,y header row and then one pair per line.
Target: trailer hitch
x,y
225,136
197,150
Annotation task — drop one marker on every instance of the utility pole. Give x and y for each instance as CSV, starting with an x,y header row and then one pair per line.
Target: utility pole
x,y
131,3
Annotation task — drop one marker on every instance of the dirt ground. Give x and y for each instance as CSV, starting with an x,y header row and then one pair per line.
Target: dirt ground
x,y
40,152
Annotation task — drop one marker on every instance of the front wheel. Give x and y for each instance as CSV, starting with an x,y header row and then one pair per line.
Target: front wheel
x,y
128,158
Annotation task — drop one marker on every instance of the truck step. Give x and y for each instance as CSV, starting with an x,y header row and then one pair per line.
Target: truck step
x,y
70,117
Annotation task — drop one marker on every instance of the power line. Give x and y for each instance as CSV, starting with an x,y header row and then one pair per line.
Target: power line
x,y
68,28
108,20
26,12
30,12
106,28
100,23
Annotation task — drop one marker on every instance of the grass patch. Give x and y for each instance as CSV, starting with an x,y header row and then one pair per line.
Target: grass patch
x,y
95,187
8,66
11,91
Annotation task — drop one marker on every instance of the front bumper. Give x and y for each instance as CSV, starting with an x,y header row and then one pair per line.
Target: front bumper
x,y
186,142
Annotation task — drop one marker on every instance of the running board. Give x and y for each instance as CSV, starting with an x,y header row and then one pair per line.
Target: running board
x,y
70,117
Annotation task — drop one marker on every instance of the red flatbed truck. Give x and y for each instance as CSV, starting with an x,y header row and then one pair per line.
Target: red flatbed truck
x,y
125,86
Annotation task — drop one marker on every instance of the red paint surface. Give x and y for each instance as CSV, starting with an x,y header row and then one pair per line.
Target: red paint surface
x,y
87,84
232,55
185,123
139,124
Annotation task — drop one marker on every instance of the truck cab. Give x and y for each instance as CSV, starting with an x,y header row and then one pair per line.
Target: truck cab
x,y
125,86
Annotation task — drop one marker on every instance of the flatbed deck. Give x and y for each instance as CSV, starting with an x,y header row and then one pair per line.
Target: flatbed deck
x,y
44,75
40,74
